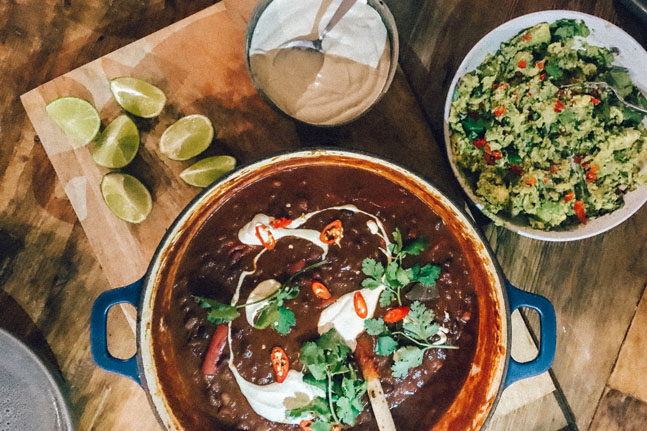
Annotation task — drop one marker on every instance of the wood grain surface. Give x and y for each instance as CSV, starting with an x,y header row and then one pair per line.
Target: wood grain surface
x,y
49,275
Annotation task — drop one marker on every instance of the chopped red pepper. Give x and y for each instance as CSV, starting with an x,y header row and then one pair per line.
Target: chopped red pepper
x,y
578,158
559,106
531,181
320,290
280,363
269,242
500,110
305,425
487,148
215,349
278,223
569,196
542,76
580,211
591,174
594,100
539,65
360,305
489,158
553,169
522,64
332,233
526,37
478,143
497,154
396,314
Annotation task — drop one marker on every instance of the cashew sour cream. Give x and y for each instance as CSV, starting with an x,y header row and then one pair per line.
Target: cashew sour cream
x,y
327,88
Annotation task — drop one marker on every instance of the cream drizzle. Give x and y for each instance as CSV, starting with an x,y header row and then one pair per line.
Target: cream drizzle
x,y
273,400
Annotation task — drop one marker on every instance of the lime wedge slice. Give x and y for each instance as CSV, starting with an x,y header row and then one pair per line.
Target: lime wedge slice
x,y
187,137
117,145
126,197
208,170
138,97
76,117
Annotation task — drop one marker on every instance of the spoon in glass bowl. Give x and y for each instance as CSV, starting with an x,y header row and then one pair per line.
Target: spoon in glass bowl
x,y
316,44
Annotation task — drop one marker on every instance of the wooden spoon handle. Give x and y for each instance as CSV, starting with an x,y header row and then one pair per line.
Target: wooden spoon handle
x,y
381,411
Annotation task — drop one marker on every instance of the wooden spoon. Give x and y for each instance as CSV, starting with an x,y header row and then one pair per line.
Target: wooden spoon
x,y
364,356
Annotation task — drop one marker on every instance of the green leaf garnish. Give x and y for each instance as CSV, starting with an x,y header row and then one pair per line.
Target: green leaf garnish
x,y
395,277
272,314
329,365
405,359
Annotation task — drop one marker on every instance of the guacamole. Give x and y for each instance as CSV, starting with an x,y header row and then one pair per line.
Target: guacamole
x,y
540,154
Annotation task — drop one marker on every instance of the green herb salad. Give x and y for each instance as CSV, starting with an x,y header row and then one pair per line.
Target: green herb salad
x,y
541,154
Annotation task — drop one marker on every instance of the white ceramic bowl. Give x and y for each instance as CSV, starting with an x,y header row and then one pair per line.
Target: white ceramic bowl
x,y
632,56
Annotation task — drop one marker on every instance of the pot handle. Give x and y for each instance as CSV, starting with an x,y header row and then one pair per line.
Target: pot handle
x,y
98,330
517,370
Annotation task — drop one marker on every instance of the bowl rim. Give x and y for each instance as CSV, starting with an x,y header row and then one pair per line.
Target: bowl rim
x,y
490,43
145,355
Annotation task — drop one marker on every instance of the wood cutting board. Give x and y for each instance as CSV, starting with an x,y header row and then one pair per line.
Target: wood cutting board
x,y
199,64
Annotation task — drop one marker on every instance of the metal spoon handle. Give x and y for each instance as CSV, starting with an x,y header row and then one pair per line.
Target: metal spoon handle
x,y
337,16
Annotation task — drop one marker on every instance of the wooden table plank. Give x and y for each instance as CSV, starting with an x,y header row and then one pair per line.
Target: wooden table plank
x,y
630,375
620,412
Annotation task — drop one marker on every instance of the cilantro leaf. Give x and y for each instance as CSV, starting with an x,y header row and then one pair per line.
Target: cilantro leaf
x,y
553,70
420,323
372,268
320,426
285,321
345,411
385,345
405,359
397,237
392,274
328,365
371,283
267,315
427,275
219,313
416,247
386,297
375,326
402,276
318,407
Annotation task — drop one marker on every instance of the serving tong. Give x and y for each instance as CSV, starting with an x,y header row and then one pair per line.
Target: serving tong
x,y
605,86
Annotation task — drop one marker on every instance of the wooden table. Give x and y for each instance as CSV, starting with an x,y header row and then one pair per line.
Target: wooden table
x,y
49,274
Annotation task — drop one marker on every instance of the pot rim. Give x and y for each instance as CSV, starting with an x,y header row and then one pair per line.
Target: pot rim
x,y
171,423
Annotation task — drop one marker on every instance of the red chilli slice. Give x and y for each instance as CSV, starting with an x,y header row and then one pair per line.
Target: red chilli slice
x,y
320,290
332,233
278,223
280,363
268,242
215,350
396,314
360,305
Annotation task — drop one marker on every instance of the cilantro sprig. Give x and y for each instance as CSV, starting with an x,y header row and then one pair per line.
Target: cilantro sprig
x,y
409,339
395,277
329,366
273,314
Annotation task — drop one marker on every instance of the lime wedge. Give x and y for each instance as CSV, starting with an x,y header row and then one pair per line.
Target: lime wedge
x,y
187,137
138,97
76,117
117,145
208,170
126,197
